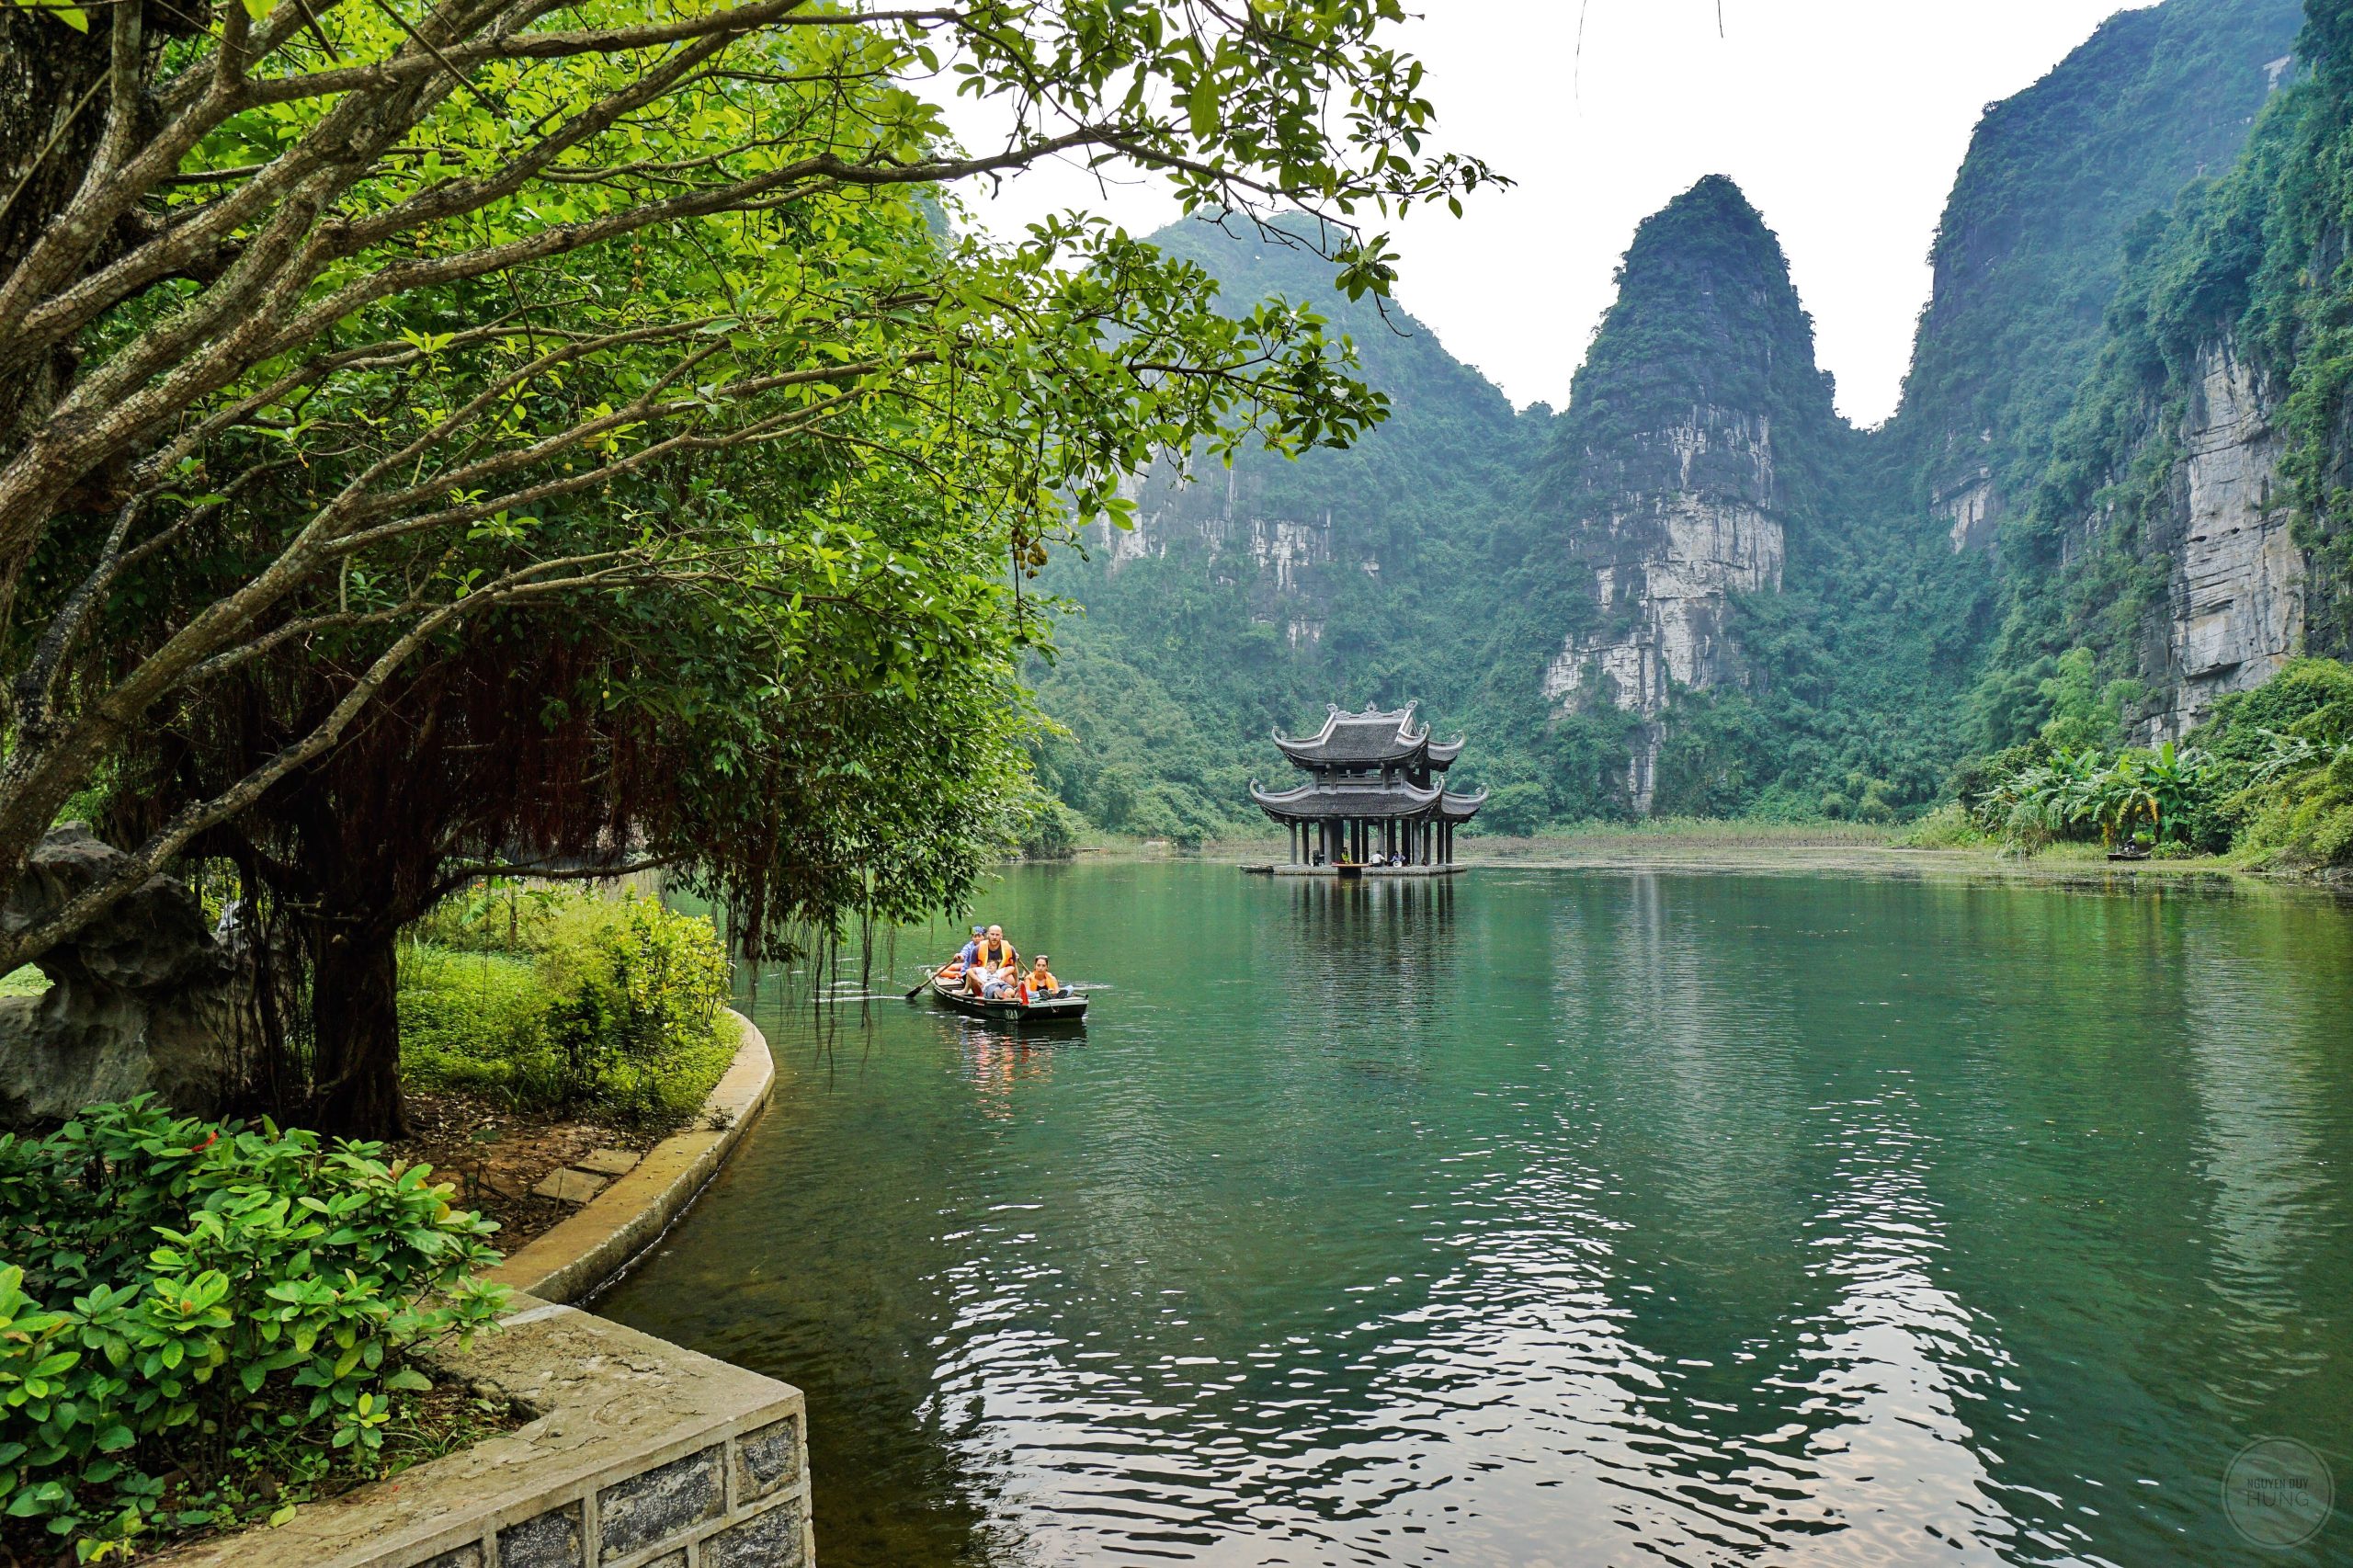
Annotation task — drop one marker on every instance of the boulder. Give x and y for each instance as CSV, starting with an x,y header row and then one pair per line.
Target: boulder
x,y
141,1001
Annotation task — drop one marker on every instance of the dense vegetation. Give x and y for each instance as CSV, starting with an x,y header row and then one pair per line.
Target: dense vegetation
x,y
2077,286
1185,655
2269,778
2251,264
440,440
2030,246
547,1001
197,1322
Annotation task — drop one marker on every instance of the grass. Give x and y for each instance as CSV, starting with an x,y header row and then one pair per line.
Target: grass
x,y
1706,832
481,1023
25,982
477,1023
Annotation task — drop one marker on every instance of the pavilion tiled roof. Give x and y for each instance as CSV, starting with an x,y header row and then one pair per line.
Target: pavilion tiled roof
x,y
1373,738
1371,798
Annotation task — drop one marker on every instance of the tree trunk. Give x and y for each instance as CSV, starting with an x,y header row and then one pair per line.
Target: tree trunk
x,y
51,121
354,1012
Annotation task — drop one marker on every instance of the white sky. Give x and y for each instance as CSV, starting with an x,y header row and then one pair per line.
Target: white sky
x,y
1844,122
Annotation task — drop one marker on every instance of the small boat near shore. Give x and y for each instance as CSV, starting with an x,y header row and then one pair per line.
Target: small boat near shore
x,y
1069,1007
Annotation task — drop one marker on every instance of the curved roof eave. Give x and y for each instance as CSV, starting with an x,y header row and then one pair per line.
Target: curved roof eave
x,y
1462,808
1398,799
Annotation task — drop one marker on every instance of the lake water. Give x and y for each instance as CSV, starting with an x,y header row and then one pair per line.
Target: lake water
x,y
1561,1217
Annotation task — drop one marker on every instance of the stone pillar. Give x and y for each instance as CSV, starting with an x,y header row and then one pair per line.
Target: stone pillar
x,y
1448,830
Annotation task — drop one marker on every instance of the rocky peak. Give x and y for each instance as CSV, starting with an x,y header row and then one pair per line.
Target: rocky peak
x,y
1695,422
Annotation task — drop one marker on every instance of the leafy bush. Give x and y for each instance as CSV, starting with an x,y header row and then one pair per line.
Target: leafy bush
x,y
1949,826
178,1291
477,1021
2304,816
2139,797
496,916
1053,832
615,1005
639,994
1514,810
2267,776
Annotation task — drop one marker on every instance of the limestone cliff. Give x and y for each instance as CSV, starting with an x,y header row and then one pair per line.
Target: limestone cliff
x,y
2192,529
1697,430
2234,610
1277,561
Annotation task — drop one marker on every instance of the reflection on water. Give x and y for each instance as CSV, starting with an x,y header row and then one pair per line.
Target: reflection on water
x,y
1559,1218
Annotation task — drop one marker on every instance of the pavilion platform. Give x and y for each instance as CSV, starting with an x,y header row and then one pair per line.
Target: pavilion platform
x,y
1352,873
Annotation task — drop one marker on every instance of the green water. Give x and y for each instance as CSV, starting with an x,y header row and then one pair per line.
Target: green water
x,y
1561,1218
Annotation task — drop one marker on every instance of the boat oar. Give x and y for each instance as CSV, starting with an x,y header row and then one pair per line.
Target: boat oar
x,y
917,989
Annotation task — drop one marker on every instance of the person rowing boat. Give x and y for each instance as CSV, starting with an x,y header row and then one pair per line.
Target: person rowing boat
x,y
1006,992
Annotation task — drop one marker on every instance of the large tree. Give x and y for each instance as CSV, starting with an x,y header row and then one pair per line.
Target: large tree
x,y
351,284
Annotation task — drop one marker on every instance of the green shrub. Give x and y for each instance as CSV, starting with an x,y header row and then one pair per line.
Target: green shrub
x,y
477,1021
611,1005
1051,832
1949,826
175,1292
496,916
1514,810
2268,777
2287,748
638,994
2299,811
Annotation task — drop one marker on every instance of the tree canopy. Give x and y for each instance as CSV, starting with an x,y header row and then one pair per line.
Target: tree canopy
x,y
344,336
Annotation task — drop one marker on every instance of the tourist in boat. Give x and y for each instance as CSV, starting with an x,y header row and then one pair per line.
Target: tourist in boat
x,y
1040,983
993,951
963,962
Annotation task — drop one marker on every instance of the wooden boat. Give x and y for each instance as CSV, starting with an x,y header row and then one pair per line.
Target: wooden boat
x,y
1067,1009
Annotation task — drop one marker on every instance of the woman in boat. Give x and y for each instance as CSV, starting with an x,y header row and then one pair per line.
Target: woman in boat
x,y
1039,982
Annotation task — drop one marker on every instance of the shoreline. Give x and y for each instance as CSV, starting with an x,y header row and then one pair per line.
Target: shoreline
x,y
1768,849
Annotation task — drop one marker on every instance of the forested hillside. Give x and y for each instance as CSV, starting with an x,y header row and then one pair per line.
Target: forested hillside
x,y
2191,532
1698,590
1248,597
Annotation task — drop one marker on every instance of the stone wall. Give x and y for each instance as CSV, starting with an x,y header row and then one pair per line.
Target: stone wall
x,y
637,1454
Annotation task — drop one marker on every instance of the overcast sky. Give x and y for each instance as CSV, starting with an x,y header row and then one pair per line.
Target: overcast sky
x,y
1844,121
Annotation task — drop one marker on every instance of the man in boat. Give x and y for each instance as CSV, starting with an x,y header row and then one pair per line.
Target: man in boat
x,y
993,951
989,956
1039,983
